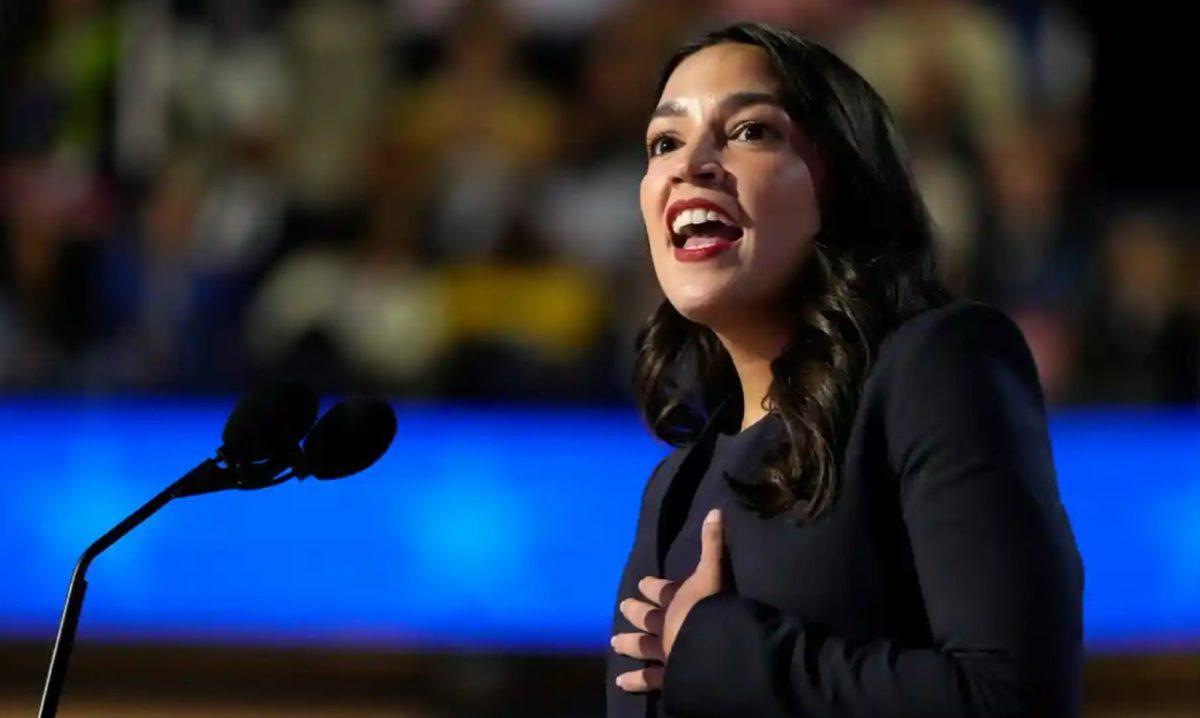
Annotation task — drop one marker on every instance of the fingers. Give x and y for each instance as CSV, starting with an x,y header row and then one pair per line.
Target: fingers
x,y
644,646
645,616
641,681
660,591
712,543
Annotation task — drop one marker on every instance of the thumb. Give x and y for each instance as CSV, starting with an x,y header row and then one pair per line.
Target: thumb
x,y
712,543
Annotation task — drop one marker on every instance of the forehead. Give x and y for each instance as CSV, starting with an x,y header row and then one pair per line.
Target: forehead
x,y
721,70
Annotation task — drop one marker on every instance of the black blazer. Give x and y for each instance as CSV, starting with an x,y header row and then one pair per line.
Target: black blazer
x,y
944,582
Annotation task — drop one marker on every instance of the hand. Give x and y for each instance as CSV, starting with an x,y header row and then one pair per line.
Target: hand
x,y
669,604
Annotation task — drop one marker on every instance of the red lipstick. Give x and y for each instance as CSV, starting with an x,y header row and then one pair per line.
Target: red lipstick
x,y
698,254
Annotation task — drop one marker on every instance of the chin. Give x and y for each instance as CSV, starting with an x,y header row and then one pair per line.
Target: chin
x,y
701,307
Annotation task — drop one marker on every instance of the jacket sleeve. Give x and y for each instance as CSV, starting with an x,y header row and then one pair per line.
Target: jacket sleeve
x,y
996,560
638,564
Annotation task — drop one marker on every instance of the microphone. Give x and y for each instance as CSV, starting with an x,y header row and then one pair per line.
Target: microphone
x,y
261,438
268,422
350,437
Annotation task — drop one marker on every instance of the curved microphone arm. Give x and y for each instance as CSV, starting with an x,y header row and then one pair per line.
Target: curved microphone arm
x,y
212,475
247,476
69,621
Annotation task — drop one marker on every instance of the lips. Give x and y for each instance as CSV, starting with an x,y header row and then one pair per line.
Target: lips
x,y
695,223
701,252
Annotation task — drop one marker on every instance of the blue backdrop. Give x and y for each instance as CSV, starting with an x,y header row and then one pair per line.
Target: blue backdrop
x,y
458,537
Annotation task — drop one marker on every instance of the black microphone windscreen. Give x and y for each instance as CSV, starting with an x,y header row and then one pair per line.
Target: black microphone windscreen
x,y
351,436
269,422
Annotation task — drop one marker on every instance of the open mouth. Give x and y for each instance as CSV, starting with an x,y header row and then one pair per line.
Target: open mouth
x,y
699,227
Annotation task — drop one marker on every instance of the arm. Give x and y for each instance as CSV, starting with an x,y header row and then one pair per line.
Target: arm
x,y
995,557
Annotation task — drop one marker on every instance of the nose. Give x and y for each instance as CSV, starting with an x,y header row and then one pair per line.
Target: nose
x,y
700,164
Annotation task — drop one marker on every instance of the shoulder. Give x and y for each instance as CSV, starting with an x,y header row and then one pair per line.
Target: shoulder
x,y
959,374
964,362
957,325
952,386
957,337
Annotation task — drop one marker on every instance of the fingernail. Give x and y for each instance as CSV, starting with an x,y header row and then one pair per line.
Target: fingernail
x,y
613,641
713,516
618,682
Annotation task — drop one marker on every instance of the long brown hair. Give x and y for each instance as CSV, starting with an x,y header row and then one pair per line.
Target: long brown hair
x,y
872,267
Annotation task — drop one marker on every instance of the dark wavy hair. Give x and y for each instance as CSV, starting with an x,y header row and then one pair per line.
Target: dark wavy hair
x,y
872,268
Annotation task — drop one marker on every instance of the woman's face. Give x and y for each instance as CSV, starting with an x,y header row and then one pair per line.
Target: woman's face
x,y
729,197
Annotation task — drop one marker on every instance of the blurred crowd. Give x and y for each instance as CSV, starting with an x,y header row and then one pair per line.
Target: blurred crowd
x,y
437,198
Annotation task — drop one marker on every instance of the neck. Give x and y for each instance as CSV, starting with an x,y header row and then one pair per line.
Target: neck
x,y
752,350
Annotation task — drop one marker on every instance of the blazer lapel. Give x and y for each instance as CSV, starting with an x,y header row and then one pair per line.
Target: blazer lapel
x,y
678,478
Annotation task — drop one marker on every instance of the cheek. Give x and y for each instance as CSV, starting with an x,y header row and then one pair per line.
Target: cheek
x,y
793,198
787,214
645,200
651,197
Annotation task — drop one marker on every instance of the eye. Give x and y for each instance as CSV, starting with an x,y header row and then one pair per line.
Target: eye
x,y
661,144
754,131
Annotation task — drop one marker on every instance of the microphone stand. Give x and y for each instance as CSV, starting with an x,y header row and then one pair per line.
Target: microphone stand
x,y
193,482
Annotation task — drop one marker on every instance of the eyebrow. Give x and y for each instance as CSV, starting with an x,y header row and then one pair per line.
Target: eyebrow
x,y
730,103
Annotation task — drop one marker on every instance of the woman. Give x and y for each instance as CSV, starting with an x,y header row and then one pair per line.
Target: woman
x,y
862,517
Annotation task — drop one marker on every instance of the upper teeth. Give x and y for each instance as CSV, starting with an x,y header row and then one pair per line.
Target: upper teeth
x,y
689,217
